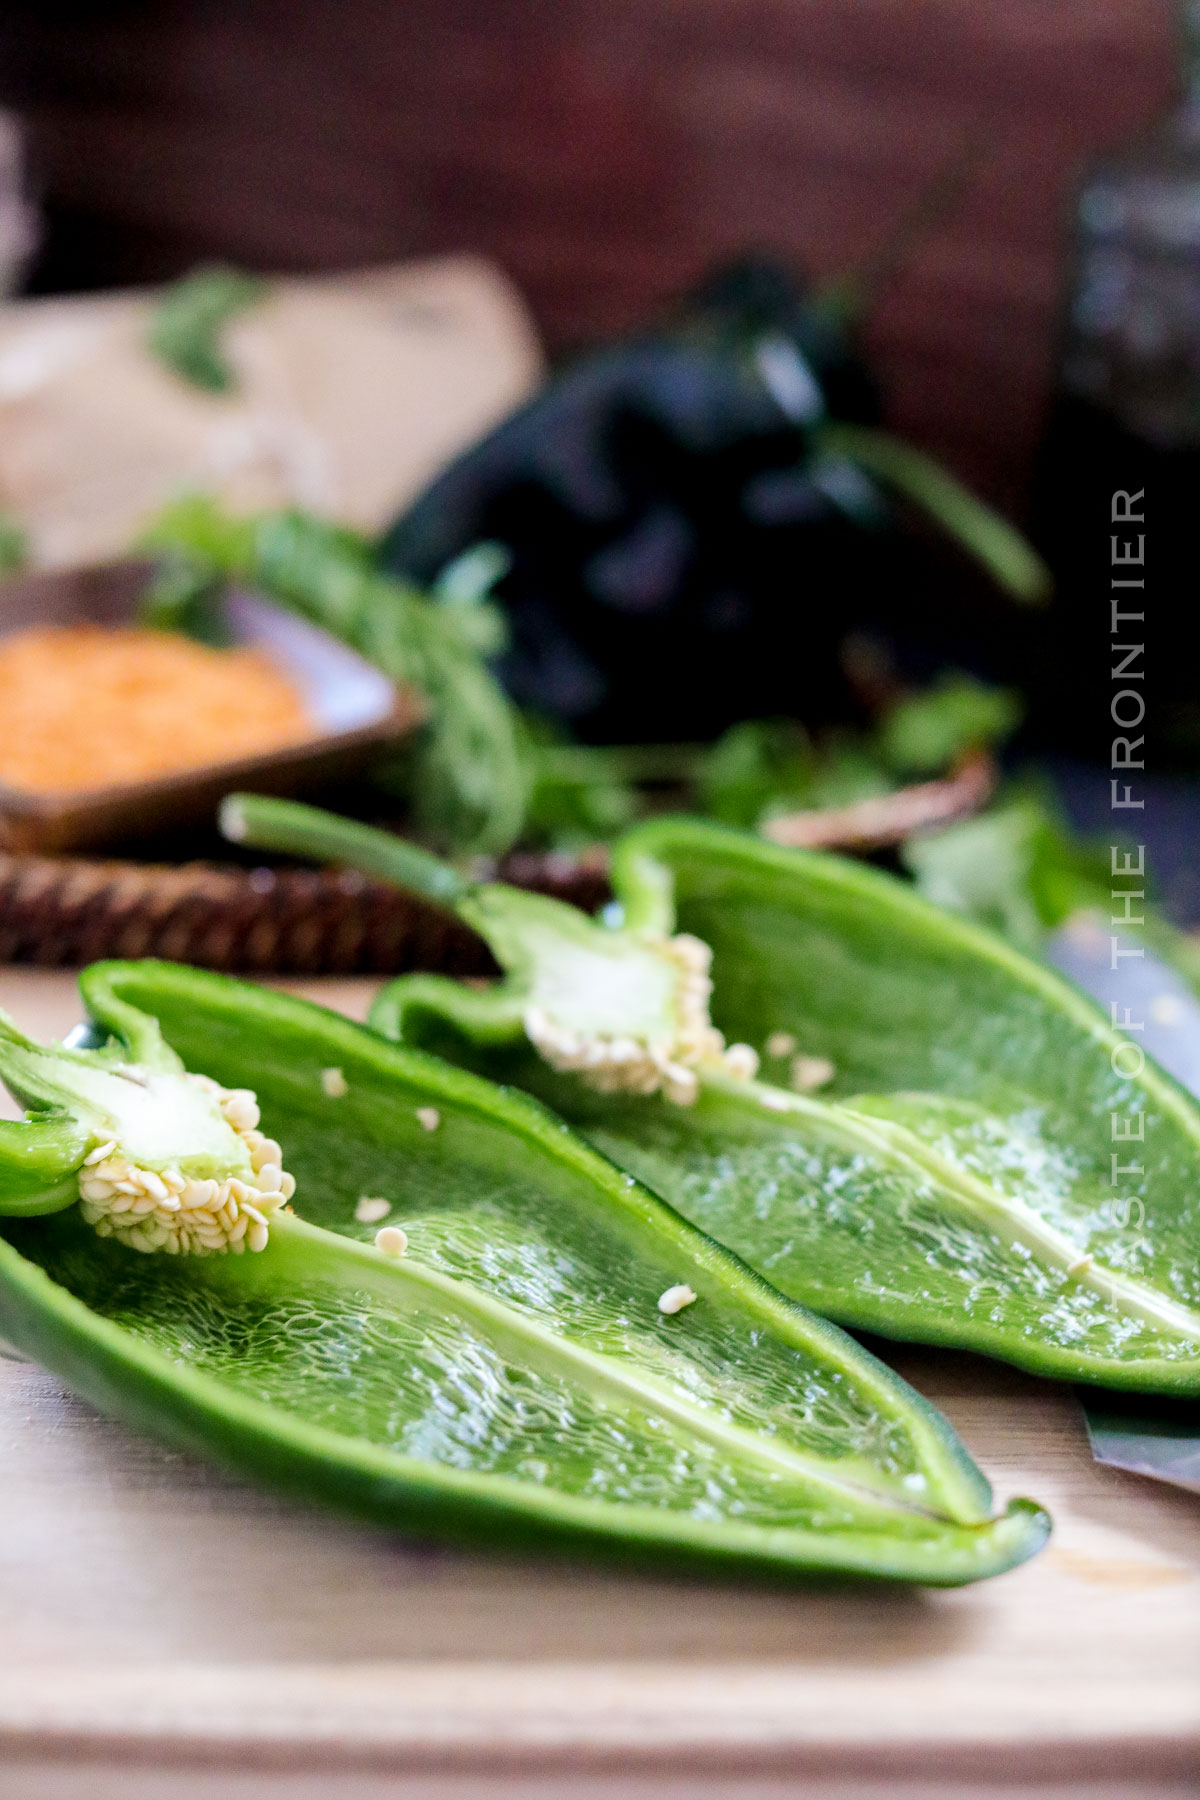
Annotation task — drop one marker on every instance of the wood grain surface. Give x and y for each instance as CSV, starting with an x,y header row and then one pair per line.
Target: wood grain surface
x,y
605,151
166,1629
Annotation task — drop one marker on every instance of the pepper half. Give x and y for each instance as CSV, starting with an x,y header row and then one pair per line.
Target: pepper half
x,y
990,1164
534,1349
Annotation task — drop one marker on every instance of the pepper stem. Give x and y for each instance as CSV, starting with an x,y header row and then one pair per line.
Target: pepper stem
x,y
297,830
1001,549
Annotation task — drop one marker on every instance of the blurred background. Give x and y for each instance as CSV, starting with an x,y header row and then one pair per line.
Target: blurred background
x,y
710,404
606,153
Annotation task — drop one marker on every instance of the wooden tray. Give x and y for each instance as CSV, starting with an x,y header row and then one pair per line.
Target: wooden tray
x,y
168,1633
357,714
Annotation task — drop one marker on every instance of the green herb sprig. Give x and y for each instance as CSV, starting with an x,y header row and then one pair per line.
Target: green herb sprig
x,y
467,775
14,546
187,324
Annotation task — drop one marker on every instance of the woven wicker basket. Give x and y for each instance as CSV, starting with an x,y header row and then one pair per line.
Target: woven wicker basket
x,y
64,912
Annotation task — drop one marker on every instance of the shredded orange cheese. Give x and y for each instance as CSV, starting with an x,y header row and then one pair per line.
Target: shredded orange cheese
x,y
86,707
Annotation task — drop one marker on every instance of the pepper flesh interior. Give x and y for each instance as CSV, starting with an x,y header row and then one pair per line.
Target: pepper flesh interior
x,y
514,1374
173,1161
625,1006
625,1010
954,1187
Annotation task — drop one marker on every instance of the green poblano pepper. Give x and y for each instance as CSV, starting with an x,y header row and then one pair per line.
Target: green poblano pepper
x,y
987,1164
532,1349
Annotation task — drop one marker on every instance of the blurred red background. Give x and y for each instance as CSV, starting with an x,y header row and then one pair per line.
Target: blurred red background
x,y
605,151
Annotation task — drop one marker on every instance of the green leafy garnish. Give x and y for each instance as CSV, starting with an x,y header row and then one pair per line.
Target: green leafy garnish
x,y
186,325
926,731
1016,870
14,547
761,768
756,767
467,776
1022,872
584,793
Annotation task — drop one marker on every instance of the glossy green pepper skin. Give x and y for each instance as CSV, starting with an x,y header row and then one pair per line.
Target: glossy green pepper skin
x,y
963,1179
511,1379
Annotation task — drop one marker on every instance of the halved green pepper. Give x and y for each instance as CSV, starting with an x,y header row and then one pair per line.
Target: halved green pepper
x,y
554,1355
989,1164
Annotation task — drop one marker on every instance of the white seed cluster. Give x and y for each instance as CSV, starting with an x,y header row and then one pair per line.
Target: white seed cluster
x,y
630,1065
151,1210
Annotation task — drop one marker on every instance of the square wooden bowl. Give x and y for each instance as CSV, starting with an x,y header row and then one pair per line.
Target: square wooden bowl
x,y
358,714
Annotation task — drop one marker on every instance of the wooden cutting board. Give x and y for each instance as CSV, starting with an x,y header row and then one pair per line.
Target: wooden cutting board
x,y
166,1630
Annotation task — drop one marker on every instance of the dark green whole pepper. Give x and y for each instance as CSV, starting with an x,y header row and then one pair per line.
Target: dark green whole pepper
x,y
697,516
